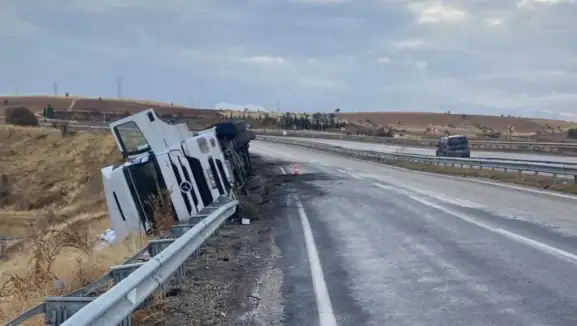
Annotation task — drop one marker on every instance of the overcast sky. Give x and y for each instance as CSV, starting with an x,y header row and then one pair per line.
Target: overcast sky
x,y
485,56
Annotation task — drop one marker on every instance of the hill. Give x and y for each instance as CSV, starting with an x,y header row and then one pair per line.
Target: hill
x,y
108,105
429,124
411,124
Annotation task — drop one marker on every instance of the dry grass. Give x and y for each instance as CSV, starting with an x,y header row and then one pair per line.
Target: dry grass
x,y
51,197
154,314
55,263
48,176
162,211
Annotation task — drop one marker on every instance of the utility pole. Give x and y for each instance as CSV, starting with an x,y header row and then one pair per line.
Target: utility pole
x,y
55,89
119,87
278,115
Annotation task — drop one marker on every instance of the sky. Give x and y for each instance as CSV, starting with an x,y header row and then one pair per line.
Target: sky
x,y
467,56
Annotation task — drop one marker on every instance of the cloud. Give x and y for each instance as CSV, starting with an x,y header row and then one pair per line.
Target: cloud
x,y
481,56
316,82
417,64
322,2
436,12
266,60
384,60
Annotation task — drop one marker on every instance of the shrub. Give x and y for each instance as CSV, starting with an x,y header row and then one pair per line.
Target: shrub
x,y
20,116
572,133
496,134
5,102
385,133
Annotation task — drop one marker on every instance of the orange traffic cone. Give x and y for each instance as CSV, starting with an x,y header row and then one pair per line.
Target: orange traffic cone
x,y
296,169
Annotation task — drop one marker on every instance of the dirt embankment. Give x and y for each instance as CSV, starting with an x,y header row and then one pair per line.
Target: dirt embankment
x,y
43,171
51,198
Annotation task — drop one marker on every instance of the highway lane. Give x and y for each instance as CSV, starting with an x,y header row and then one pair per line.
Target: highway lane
x,y
398,247
431,151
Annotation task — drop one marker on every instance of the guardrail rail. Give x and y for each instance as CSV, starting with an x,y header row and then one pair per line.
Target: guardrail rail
x,y
530,146
136,279
559,169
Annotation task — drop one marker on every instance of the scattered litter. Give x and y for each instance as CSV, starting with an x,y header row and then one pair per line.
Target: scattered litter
x,y
58,284
145,256
245,221
107,237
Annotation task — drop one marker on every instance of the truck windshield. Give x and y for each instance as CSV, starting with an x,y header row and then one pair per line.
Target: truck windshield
x,y
131,138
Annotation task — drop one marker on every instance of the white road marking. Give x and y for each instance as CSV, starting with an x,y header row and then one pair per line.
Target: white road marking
x,y
492,183
513,236
355,176
324,306
349,173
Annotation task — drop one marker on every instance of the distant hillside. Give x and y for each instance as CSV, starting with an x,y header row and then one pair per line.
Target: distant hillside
x,y
471,125
61,103
414,124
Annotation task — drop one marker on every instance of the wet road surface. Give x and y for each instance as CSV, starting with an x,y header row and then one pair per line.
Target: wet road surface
x,y
396,247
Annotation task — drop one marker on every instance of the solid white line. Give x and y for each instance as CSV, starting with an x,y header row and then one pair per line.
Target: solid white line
x,y
513,236
349,173
355,176
538,245
487,182
324,306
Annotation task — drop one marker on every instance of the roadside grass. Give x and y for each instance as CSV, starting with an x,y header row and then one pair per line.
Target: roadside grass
x,y
531,180
55,262
51,199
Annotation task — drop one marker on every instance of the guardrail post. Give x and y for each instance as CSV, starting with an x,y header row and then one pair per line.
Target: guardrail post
x,y
59,309
119,273
158,246
179,229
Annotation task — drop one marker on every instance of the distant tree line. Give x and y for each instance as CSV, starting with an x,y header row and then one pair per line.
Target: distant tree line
x,y
298,121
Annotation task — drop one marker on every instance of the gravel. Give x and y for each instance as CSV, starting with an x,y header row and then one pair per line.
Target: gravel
x,y
234,280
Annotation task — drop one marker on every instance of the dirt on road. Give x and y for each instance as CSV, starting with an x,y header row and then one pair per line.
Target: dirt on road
x,y
234,280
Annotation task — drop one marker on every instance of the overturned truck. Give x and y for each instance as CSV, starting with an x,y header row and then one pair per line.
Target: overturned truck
x,y
191,169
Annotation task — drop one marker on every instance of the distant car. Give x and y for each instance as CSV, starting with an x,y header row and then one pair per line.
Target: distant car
x,y
453,146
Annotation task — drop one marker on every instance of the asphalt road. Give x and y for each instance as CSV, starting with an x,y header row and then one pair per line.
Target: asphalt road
x,y
431,151
365,244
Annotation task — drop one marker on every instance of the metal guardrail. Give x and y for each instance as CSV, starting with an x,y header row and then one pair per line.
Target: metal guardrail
x,y
135,281
512,160
549,147
555,170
